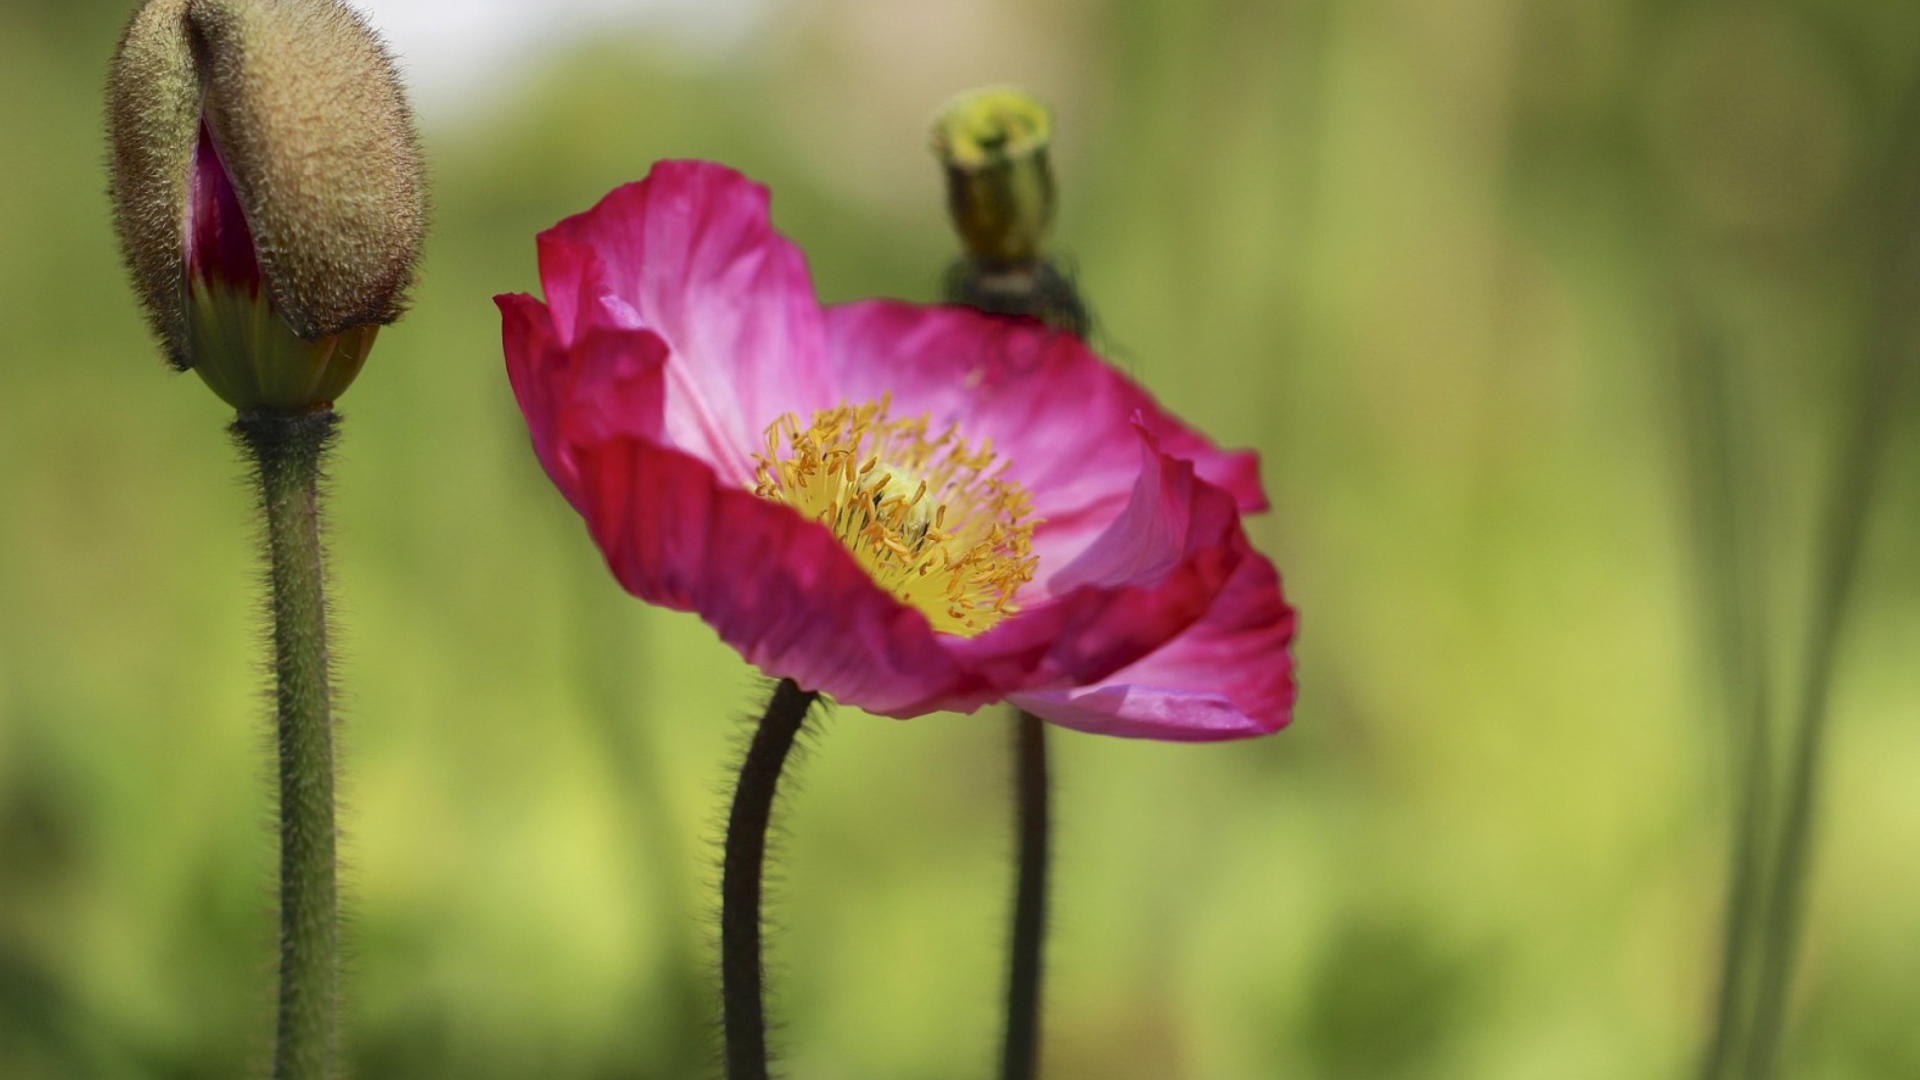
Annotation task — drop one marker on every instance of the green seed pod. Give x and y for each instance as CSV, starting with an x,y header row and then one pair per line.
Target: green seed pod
x,y
993,143
268,191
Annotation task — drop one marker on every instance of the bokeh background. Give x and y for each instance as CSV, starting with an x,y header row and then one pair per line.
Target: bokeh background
x,y
1436,259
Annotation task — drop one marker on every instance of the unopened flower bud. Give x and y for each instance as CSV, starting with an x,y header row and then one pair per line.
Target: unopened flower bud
x,y
268,191
993,143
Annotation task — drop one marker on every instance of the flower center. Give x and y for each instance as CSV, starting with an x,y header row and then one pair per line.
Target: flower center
x,y
928,516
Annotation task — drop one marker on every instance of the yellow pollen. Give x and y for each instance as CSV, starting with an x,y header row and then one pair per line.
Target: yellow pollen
x,y
938,526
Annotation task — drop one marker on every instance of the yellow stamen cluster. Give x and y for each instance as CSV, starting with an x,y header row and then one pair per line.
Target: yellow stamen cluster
x,y
932,519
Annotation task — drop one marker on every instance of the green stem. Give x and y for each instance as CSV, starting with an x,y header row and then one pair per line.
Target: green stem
x,y
611,650
1020,1057
1890,355
1846,519
742,993
287,449
1733,598
1752,769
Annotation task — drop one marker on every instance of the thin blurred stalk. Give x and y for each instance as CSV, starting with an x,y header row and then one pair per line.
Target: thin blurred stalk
x,y
610,655
1890,351
1729,570
1786,896
286,450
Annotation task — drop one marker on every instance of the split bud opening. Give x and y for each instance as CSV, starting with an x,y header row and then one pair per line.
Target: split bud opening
x,y
268,191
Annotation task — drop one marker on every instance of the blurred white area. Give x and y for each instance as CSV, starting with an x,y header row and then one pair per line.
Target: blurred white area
x,y
462,55
864,78
851,84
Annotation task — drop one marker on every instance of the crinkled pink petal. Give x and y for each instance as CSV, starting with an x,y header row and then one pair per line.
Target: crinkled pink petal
x,y
541,374
790,597
690,253
606,383
780,589
1059,412
1227,676
1143,542
1150,576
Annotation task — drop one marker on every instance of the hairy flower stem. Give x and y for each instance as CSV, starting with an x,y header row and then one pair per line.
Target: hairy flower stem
x,y
286,450
1035,289
1020,1056
742,994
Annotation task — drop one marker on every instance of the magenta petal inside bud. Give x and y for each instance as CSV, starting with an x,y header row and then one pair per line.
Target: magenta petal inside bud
x,y
219,244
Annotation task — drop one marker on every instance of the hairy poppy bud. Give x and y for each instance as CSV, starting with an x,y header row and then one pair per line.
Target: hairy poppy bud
x,y
993,143
268,191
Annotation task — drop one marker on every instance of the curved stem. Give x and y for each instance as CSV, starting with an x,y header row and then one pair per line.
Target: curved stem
x,y
1882,381
1846,522
1787,897
611,651
1733,600
1752,769
742,992
286,450
1020,1056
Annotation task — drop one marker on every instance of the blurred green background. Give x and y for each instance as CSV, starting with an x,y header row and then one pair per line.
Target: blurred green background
x,y
1428,256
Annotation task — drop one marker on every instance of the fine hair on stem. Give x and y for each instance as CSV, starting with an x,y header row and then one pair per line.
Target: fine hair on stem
x,y
742,881
287,452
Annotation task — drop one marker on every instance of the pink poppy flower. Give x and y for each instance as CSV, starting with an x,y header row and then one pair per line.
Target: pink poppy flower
x,y
905,508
